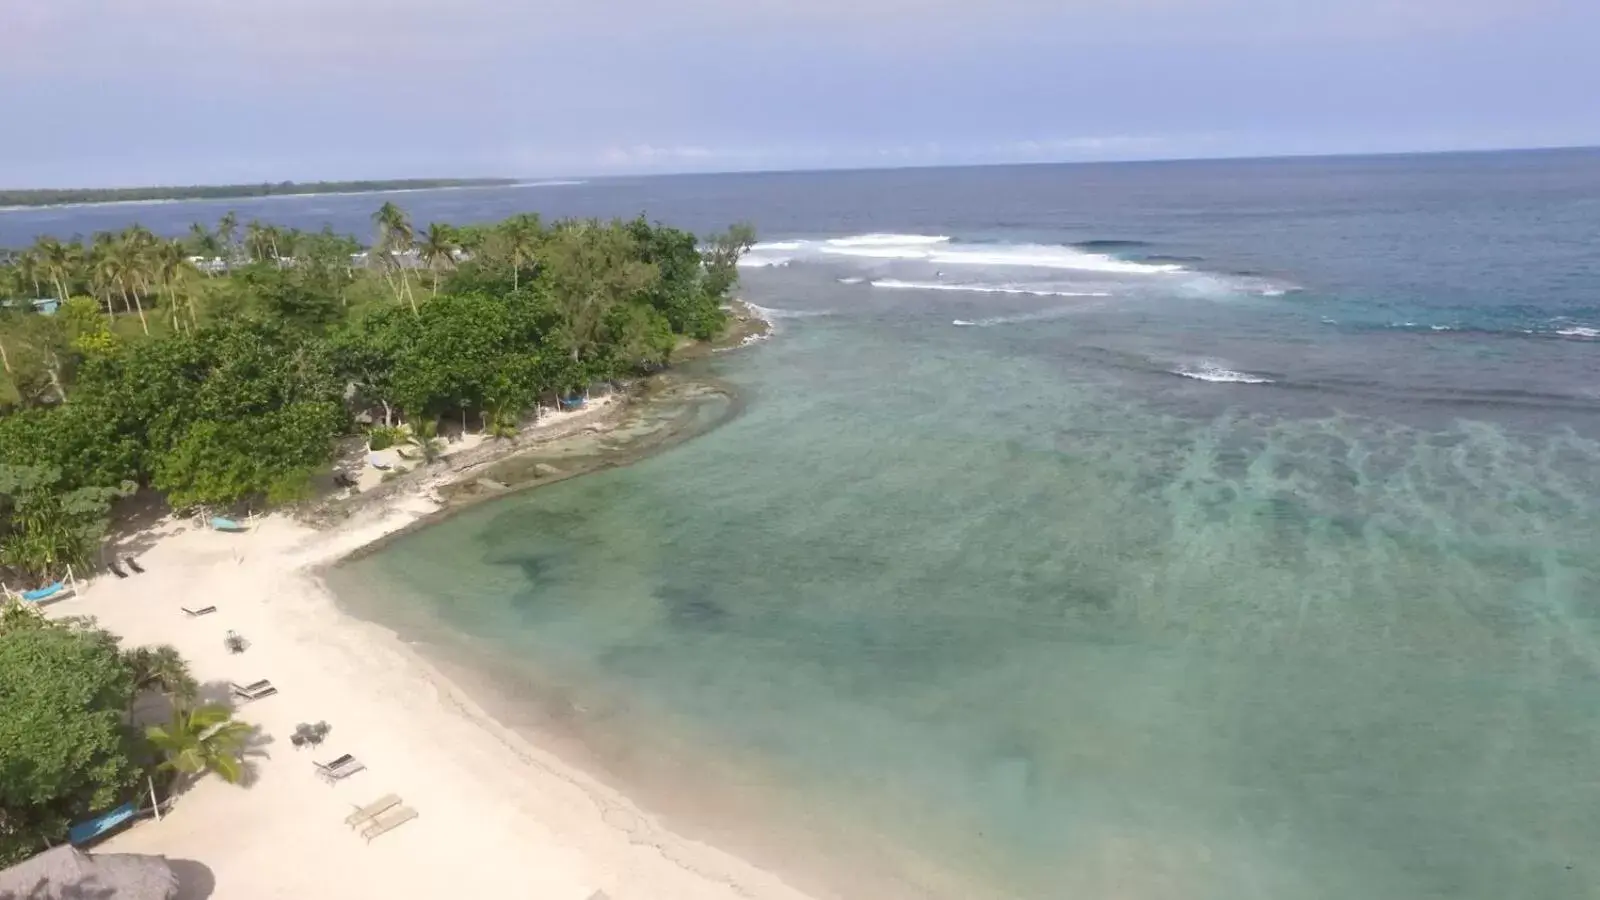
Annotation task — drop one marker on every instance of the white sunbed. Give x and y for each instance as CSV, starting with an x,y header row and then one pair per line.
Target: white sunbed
x,y
372,810
388,822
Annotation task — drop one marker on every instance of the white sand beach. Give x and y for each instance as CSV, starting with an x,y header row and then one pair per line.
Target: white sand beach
x,y
498,816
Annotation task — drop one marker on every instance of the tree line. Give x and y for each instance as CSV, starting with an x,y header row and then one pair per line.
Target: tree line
x,y
223,366
57,196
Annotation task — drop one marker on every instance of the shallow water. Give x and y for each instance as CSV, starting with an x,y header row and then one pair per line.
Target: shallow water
x,y
1056,604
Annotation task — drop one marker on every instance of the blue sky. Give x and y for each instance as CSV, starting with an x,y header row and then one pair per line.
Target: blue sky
x,y
113,92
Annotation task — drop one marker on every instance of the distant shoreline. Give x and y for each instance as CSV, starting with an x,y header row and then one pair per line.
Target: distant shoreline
x,y
56,197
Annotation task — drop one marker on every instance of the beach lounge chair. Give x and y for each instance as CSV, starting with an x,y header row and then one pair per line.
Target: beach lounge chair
x,y
223,523
133,564
116,570
255,691
372,810
331,764
252,686
202,611
388,822
335,774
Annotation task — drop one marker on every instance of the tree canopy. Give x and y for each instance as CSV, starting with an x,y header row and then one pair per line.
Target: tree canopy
x,y
65,749
224,365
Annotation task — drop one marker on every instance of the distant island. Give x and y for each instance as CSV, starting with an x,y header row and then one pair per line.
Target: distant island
x,y
57,197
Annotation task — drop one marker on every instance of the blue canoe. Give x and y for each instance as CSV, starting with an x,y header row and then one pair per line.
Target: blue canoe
x,y
84,832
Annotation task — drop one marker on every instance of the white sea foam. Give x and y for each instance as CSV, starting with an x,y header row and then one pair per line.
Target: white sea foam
x,y
772,315
752,260
891,240
852,280
1210,371
897,284
1579,331
941,250
962,322
1040,256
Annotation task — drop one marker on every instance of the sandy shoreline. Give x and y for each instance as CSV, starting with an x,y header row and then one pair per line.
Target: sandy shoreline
x,y
500,817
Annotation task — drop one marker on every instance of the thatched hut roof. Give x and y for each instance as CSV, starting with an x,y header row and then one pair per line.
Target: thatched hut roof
x,y
67,873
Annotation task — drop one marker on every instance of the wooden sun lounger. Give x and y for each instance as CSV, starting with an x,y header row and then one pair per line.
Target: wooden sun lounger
x,y
255,691
372,810
202,611
388,822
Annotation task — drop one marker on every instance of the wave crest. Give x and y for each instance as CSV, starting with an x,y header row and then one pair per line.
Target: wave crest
x,y
1212,372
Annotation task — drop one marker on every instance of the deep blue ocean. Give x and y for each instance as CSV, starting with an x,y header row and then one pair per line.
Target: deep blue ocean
x,y
1172,530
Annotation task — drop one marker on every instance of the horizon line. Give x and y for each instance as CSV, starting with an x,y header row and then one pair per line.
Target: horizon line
x,y
513,181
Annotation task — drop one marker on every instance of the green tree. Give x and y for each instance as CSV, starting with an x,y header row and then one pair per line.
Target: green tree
x,y
437,251
161,668
395,240
591,268
64,749
202,739
45,528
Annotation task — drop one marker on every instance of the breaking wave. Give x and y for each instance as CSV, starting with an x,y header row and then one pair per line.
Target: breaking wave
x,y
1210,371
941,250
896,284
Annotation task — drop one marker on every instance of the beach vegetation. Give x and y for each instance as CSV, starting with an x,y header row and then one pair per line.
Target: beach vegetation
x,y
222,366
201,739
68,748
65,748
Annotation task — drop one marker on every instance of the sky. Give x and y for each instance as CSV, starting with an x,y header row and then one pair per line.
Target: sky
x,y
137,92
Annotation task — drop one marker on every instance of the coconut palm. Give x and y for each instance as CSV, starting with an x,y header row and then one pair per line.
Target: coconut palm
x,y
161,668
438,251
227,231
27,263
174,272
125,265
395,233
204,243
202,739
395,239
58,264
517,238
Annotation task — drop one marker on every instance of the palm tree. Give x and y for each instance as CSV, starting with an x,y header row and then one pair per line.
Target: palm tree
x,y
438,251
227,228
202,739
27,263
518,237
173,270
255,240
161,668
425,434
204,243
125,265
57,262
395,237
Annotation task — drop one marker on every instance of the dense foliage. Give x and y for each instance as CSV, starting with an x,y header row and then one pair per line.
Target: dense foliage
x,y
223,367
67,749
52,196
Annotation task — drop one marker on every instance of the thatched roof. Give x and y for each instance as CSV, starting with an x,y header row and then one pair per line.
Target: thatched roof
x,y
67,873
